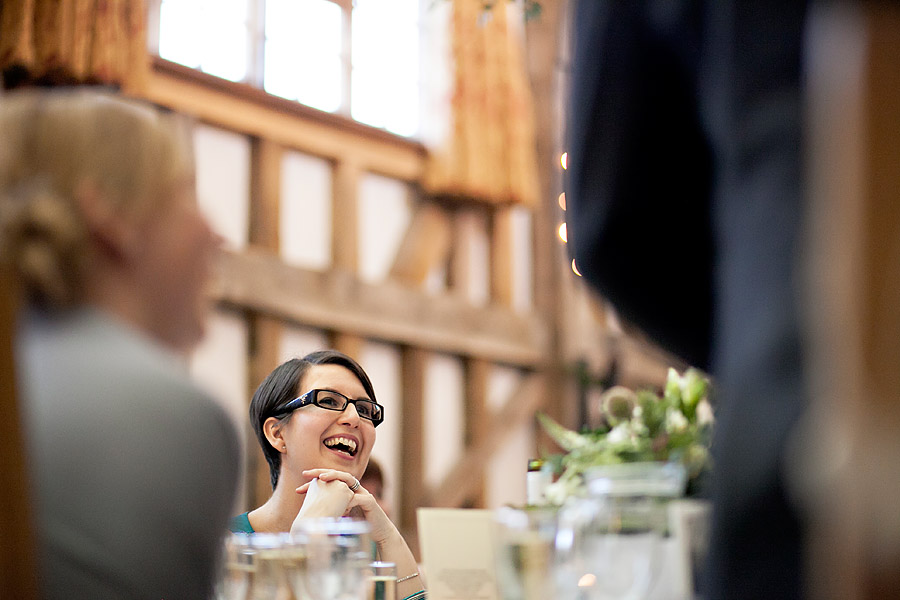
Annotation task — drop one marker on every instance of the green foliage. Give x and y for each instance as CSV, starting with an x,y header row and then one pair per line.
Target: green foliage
x,y
640,426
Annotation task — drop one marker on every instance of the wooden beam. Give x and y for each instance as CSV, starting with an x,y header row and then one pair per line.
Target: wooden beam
x,y
477,373
386,311
345,216
465,478
243,109
412,427
18,566
425,245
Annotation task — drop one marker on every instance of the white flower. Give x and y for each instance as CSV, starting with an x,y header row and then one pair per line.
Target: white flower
x,y
676,422
704,413
563,488
618,435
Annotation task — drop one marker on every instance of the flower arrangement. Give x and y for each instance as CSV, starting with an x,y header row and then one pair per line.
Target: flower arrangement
x,y
638,426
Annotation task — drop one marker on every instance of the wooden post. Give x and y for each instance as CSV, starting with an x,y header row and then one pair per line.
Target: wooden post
x,y
349,344
502,259
852,445
545,41
477,373
264,331
412,459
265,339
345,216
18,567
265,193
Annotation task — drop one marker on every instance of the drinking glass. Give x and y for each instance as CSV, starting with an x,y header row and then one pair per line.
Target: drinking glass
x,y
259,566
338,551
382,581
531,565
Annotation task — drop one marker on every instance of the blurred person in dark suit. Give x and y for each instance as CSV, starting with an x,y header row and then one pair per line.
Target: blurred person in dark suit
x,y
684,194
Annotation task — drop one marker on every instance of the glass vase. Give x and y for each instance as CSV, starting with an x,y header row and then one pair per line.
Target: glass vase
x,y
615,534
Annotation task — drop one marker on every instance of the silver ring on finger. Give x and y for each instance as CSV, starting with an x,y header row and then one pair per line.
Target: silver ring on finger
x,y
355,485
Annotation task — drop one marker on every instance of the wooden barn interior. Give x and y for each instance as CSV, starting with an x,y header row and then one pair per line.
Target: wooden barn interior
x,y
437,258
440,267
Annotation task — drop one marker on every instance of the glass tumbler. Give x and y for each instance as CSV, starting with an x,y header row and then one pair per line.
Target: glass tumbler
x,y
382,581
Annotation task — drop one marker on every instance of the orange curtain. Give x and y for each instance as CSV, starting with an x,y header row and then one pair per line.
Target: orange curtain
x,y
74,41
489,155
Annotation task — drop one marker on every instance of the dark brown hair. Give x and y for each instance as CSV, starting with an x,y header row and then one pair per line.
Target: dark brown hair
x,y
283,385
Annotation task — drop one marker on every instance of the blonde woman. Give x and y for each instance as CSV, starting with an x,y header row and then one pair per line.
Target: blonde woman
x,y
133,467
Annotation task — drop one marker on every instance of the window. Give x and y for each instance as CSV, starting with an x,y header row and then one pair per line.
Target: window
x,y
359,58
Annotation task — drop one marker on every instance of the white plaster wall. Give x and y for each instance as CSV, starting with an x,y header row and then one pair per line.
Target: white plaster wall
x,y
444,416
384,215
436,280
223,182
479,252
383,364
505,475
296,342
523,260
219,362
219,365
305,220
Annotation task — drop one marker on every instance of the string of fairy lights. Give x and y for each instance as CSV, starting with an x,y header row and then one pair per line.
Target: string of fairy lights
x,y
561,231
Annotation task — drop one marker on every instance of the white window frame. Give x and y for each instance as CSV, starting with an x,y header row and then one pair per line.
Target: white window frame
x,y
257,42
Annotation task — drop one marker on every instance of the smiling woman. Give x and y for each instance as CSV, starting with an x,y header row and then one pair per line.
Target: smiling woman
x,y
315,419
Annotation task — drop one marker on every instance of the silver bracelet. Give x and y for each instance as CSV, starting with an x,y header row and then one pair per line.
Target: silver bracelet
x,y
402,579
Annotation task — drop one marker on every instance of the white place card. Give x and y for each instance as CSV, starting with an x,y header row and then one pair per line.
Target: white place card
x,y
458,553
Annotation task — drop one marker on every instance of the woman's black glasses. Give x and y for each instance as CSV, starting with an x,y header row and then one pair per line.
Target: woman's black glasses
x,y
330,400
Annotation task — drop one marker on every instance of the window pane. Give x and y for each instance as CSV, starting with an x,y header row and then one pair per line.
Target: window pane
x,y
209,34
303,52
178,40
386,64
313,80
385,102
225,51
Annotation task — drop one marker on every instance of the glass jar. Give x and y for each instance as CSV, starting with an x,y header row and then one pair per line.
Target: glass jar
x,y
614,536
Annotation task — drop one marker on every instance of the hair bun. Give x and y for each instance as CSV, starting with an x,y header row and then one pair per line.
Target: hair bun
x,y
43,241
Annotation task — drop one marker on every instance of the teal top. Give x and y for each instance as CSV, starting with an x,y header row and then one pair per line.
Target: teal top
x,y
241,524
